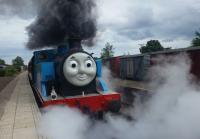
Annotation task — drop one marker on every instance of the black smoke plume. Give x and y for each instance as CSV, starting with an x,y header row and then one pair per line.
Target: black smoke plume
x,y
62,20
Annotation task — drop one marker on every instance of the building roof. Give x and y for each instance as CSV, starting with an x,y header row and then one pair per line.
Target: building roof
x,y
4,65
165,51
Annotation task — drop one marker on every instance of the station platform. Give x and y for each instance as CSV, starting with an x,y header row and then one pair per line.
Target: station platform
x,y
21,114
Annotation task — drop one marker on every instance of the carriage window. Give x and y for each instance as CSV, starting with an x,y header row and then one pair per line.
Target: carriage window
x,y
42,56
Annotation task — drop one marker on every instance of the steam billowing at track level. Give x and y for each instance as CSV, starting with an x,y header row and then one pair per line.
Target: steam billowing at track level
x,y
60,20
172,112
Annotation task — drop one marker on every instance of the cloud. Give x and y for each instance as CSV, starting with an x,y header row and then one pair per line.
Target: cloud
x,y
13,29
135,20
22,8
172,19
13,38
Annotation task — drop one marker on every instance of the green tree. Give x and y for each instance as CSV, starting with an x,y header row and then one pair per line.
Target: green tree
x,y
108,51
151,46
2,61
196,40
17,63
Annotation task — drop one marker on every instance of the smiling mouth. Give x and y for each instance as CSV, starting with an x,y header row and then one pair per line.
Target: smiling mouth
x,y
82,77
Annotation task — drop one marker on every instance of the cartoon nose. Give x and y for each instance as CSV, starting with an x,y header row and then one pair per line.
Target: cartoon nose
x,y
82,69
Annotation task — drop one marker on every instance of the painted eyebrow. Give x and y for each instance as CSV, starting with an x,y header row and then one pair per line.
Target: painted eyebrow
x,y
72,57
89,57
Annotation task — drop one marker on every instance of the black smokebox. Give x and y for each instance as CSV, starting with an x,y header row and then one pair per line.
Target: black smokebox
x,y
63,20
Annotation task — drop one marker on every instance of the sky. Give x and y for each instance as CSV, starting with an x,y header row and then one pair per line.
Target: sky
x,y
126,24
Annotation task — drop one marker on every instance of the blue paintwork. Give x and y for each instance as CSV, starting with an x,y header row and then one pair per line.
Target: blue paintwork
x,y
47,74
102,85
44,69
47,70
43,89
50,55
99,69
100,82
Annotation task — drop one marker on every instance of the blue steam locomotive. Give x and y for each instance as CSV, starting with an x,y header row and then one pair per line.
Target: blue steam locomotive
x,y
70,76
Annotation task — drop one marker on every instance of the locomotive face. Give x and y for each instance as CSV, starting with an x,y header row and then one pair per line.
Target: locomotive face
x,y
79,69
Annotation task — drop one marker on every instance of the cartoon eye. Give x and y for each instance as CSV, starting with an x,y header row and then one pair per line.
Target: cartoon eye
x,y
73,64
88,63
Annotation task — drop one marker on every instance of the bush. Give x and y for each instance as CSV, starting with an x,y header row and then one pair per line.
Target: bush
x,y
10,71
2,72
17,68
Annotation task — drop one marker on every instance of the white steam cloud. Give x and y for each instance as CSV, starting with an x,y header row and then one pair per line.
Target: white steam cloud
x,y
107,76
62,123
171,113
